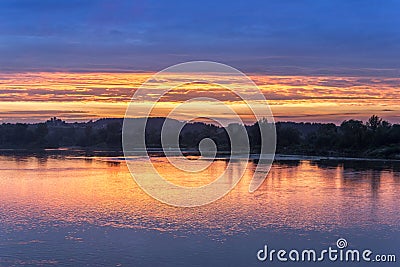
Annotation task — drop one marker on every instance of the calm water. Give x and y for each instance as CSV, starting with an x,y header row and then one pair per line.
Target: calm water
x,y
77,211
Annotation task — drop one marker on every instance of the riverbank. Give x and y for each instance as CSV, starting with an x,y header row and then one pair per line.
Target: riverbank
x,y
82,152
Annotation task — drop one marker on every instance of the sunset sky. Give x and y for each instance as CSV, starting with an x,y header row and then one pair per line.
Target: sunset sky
x,y
313,60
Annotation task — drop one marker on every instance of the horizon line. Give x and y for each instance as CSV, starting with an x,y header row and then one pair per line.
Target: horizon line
x,y
187,121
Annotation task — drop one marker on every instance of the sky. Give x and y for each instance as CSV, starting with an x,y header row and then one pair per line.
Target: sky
x,y
314,60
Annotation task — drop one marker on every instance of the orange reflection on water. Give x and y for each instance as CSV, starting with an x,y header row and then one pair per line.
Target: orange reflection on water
x,y
305,195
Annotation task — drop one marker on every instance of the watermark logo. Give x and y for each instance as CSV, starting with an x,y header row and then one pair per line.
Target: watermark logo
x,y
155,96
340,253
341,243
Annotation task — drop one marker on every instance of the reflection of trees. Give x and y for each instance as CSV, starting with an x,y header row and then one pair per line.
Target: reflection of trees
x,y
358,165
354,178
42,159
375,178
113,163
326,164
287,163
352,173
355,172
281,163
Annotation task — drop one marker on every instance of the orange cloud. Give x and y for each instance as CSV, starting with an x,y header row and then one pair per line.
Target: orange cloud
x,y
83,96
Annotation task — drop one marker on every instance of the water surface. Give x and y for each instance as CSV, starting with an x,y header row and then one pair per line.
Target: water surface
x,y
88,211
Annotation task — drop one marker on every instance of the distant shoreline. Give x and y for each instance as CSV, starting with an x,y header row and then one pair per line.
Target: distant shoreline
x,y
159,153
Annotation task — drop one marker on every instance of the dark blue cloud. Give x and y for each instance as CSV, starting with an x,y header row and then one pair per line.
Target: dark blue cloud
x,y
276,36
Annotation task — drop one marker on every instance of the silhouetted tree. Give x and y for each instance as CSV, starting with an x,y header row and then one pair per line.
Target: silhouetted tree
x,y
353,134
40,134
287,136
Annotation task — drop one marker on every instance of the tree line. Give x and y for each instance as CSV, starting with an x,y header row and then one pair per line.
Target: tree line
x,y
374,138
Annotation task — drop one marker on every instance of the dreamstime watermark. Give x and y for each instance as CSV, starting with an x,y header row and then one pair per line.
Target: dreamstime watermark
x,y
339,253
149,99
